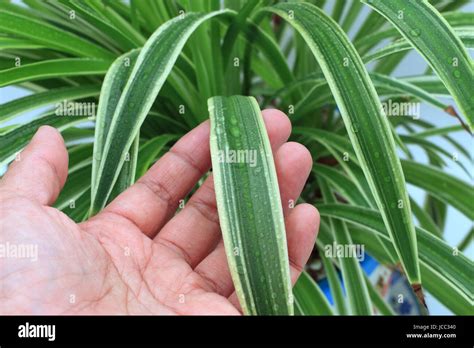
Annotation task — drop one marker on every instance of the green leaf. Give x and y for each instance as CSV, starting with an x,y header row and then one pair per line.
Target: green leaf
x,y
74,187
15,140
352,274
58,15
17,106
334,282
117,21
248,202
50,36
149,21
127,174
453,266
432,149
393,84
237,25
445,187
430,34
383,307
112,87
430,83
455,19
204,46
78,211
53,68
438,131
153,65
446,292
341,148
352,14
79,156
338,10
73,136
398,48
455,191
310,298
425,219
373,23
467,240
101,23
344,186
269,48
13,43
368,128
149,151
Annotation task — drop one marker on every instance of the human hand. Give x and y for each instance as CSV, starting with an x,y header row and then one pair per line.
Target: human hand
x,y
136,256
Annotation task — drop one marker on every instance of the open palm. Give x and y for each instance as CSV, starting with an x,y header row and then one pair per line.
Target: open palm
x,y
136,256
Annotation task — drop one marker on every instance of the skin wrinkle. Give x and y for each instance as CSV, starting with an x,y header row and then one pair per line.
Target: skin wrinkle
x,y
206,209
144,281
296,265
213,284
58,182
119,274
141,270
145,267
226,288
62,276
159,190
174,247
107,271
110,264
174,295
166,291
189,161
103,293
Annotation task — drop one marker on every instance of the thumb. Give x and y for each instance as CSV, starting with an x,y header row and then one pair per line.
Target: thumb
x,y
40,170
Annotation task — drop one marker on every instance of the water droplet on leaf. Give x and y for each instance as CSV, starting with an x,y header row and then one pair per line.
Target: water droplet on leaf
x,y
235,131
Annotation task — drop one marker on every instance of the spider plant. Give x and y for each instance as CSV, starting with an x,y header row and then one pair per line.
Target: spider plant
x,y
151,66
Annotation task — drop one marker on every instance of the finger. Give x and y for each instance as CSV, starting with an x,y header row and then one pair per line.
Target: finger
x,y
278,127
154,197
151,201
40,170
302,225
293,163
195,231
